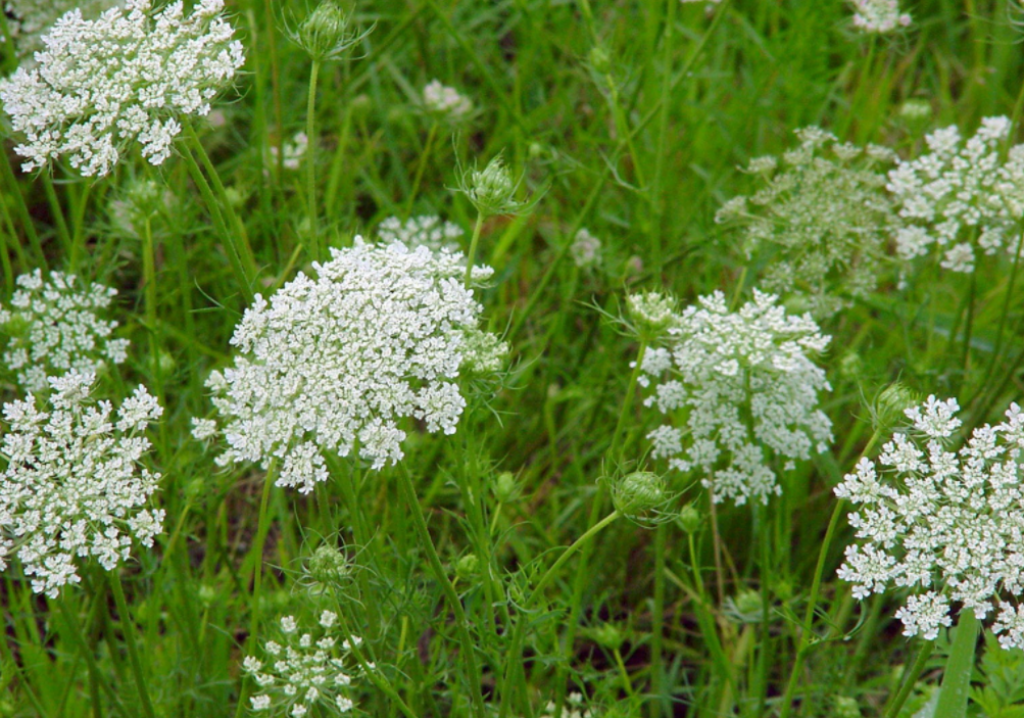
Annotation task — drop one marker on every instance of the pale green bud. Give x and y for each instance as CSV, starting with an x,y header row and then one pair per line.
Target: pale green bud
x,y
638,494
892,402
745,607
326,34
846,707
608,635
690,518
916,110
505,487
652,314
491,190
467,567
600,61
207,594
851,366
328,565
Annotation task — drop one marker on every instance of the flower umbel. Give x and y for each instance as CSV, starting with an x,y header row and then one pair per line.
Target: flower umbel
x,y
56,325
491,190
307,671
127,76
746,385
879,16
429,231
961,197
73,486
945,524
446,103
335,363
29,20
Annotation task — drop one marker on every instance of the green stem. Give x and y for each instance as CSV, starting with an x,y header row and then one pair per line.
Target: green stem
x,y
472,247
956,680
627,402
234,257
658,621
461,624
128,628
58,217
72,623
318,249
420,168
910,680
27,224
513,661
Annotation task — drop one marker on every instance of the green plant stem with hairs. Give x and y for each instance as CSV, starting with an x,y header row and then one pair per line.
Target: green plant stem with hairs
x,y
471,256
319,244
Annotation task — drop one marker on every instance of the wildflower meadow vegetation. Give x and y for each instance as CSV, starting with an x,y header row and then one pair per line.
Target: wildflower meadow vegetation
x,y
512,359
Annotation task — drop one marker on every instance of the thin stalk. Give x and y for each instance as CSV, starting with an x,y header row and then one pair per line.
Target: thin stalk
x,y
660,156
27,224
149,277
513,660
461,624
716,544
812,604
238,234
421,166
58,217
956,679
318,252
78,231
235,259
133,651
627,402
74,628
998,347
910,677
472,247
658,621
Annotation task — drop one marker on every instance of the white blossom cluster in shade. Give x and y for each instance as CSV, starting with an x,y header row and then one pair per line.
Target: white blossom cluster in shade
x,y
573,708
878,16
74,486
745,390
446,102
292,152
585,250
948,525
961,197
335,363
28,20
304,673
55,325
426,230
823,216
126,76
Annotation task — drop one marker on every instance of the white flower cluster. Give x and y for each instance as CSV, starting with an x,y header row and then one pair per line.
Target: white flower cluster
x,y
949,525
304,673
962,196
292,152
824,215
748,390
73,486
125,76
55,325
335,363
28,20
429,231
586,250
879,16
573,708
446,102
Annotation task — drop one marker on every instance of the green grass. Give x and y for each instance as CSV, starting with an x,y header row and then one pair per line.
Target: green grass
x,y
642,151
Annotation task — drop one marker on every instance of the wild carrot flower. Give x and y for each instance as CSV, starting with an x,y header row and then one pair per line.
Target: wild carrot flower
x,y
962,197
744,391
585,250
946,524
74,486
292,152
429,231
335,363
28,20
878,16
55,325
307,671
445,103
573,708
127,76
823,215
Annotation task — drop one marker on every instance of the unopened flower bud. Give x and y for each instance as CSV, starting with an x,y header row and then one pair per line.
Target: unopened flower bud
x,y
491,190
891,404
652,313
467,567
639,494
505,488
325,33
608,635
690,518
328,565
600,61
851,366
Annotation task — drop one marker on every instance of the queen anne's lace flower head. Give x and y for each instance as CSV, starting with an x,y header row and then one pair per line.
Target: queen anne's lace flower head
x,y
573,708
429,231
446,103
306,671
335,363
125,76
823,213
747,391
28,20
73,486
585,250
961,197
878,16
293,151
948,525
56,325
